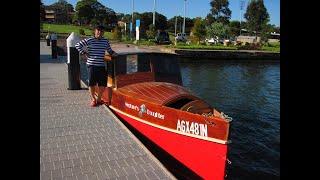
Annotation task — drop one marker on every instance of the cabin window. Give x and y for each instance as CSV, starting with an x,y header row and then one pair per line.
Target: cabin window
x,y
179,103
130,64
166,69
167,65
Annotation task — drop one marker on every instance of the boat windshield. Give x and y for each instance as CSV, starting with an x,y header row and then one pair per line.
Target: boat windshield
x,y
160,66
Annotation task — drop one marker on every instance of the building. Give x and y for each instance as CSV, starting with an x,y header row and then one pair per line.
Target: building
x,y
274,37
50,16
58,16
121,23
248,39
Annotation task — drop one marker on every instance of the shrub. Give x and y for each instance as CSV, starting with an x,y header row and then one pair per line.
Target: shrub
x,y
81,32
252,46
116,33
151,33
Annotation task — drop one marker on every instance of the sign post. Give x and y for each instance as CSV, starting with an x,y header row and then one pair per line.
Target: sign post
x,y
137,29
131,31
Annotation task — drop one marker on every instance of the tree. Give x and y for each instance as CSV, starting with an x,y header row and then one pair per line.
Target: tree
x,y
266,30
273,28
84,11
42,12
116,33
256,15
127,18
219,11
151,33
146,20
99,11
120,16
209,19
161,21
234,27
110,19
199,29
62,11
42,15
217,29
93,12
171,24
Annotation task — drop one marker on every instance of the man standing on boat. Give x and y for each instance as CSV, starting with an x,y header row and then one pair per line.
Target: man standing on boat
x,y
94,50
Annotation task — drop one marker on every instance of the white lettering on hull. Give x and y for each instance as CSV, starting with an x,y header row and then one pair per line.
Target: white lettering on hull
x,y
193,128
143,110
130,106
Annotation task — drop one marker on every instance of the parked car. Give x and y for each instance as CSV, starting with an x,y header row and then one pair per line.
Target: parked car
x,y
211,41
181,37
162,37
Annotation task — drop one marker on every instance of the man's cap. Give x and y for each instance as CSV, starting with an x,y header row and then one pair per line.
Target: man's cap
x,y
99,27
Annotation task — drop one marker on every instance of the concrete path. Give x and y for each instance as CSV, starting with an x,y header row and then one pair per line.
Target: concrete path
x,y
80,142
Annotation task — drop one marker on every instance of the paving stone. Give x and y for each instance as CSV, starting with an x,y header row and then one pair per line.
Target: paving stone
x,y
80,142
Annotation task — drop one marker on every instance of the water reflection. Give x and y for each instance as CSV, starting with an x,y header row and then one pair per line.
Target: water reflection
x,y
250,93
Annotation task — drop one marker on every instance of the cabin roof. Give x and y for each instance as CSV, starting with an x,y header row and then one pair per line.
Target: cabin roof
x,y
156,92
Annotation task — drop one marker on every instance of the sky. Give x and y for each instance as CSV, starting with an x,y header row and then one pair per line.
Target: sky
x,y
171,8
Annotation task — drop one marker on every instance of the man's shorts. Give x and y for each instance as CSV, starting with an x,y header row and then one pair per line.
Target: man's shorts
x,y
97,75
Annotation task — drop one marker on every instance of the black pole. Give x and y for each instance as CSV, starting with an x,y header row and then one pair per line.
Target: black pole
x,y
74,69
48,42
54,49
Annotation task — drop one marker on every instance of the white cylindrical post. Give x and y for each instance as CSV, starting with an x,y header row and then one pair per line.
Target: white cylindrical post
x,y
48,39
73,62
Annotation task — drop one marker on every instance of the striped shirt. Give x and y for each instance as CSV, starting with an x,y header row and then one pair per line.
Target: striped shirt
x,y
95,48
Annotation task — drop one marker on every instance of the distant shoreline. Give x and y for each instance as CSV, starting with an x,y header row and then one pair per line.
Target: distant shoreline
x,y
194,55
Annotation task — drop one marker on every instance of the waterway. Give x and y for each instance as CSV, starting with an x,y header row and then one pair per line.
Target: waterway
x,y
250,94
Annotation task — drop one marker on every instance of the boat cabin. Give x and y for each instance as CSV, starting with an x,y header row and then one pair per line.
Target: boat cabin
x,y
130,68
159,73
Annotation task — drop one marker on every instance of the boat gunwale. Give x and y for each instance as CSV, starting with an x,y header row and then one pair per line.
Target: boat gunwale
x,y
215,140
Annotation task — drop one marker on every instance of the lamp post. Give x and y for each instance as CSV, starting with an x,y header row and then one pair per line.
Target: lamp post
x,y
154,13
175,27
132,10
184,18
131,33
241,8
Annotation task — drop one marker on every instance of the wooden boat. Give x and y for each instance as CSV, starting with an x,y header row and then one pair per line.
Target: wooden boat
x,y
147,93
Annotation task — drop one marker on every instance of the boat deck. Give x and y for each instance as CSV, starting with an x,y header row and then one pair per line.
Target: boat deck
x,y
80,142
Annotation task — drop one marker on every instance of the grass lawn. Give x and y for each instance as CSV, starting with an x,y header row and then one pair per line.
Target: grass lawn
x,y
193,46
274,47
62,28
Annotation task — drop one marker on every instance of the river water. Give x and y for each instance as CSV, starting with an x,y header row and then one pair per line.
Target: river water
x,y
250,94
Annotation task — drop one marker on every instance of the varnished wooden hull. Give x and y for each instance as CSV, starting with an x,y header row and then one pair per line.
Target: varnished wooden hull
x,y
205,158
147,93
199,143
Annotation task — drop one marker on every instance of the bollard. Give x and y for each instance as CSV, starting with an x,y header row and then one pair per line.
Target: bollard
x,y
48,39
54,48
73,62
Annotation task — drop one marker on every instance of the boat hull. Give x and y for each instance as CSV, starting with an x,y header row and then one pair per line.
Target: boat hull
x,y
205,158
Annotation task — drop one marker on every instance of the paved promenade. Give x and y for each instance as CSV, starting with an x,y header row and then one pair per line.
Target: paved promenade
x,y
80,142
